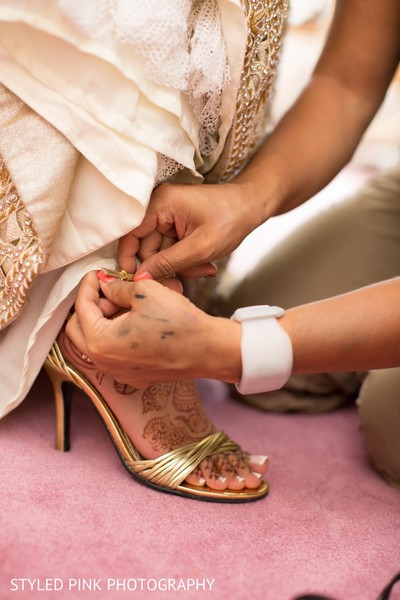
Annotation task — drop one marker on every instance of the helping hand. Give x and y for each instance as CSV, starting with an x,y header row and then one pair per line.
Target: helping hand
x,y
186,227
155,334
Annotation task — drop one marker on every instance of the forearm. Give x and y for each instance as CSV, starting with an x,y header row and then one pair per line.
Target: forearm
x,y
162,336
306,150
355,331
319,134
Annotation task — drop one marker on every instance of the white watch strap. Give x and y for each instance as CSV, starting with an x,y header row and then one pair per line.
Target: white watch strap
x,y
267,355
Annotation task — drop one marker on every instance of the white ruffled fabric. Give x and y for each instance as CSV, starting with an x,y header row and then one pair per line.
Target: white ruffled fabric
x,y
143,90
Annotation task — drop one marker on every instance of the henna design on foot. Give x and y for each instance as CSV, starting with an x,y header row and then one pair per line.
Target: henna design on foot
x,y
209,470
222,464
240,465
197,422
186,397
156,396
163,435
123,388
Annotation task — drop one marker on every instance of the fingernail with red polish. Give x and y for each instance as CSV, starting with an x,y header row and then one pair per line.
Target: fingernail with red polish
x,y
143,275
105,278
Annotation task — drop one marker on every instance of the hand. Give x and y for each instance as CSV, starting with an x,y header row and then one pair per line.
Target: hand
x,y
186,227
155,334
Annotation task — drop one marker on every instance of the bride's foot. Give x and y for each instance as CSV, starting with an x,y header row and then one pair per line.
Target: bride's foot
x,y
167,416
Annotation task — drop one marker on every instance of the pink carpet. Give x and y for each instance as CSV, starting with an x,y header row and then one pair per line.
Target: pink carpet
x,y
329,524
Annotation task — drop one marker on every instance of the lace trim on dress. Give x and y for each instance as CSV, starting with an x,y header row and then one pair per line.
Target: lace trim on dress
x,y
182,45
266,25
21,253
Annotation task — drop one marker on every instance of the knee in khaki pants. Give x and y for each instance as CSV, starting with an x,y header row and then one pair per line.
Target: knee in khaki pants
x,y
379,408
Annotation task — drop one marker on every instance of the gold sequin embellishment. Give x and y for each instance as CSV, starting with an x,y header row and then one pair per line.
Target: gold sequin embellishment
x,y
266,23
21,252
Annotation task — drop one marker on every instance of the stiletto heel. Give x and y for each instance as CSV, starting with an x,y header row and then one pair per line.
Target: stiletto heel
x,y
166,473
63,401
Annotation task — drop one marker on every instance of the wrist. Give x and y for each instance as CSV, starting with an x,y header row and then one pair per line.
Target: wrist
x,y
253,201
244,202
265,184
222,357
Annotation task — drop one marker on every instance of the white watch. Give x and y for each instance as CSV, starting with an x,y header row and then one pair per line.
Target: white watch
x,y
267,355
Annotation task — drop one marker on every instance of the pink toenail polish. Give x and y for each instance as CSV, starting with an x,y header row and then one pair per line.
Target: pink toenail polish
x,y
258,459
258,475
239,479
201,481
222,479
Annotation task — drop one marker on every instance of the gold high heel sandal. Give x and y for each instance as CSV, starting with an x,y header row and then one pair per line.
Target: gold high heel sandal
x,y
166,473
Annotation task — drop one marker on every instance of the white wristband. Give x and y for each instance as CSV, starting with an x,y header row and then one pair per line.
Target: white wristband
x,y
267,355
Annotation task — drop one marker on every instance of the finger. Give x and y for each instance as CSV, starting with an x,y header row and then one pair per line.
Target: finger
x,y
207,269
149,245
174,284
74,332
118,293
183,255
127,249
155,242
87,307
108,308
159,216
148,225
122,293
167,241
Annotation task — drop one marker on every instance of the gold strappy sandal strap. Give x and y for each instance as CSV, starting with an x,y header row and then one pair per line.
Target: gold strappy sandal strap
x,y
56,360
172,468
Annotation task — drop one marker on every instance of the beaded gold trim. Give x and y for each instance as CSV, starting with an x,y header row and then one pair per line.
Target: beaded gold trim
x,y
266,24
21,253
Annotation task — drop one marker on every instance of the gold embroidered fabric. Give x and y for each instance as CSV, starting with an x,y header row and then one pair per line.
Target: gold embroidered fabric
x,y
21,253
266,24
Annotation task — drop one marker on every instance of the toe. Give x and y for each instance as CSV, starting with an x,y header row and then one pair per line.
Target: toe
x,y
196,478
224,466
214,479
252,479
257,462
230,470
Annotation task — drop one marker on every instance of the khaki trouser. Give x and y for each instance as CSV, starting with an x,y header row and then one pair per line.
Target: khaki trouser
x,y
349,245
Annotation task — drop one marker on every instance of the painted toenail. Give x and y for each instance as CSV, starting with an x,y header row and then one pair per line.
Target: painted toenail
x,y
258,459
239,479
222,479
201,481
258,475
